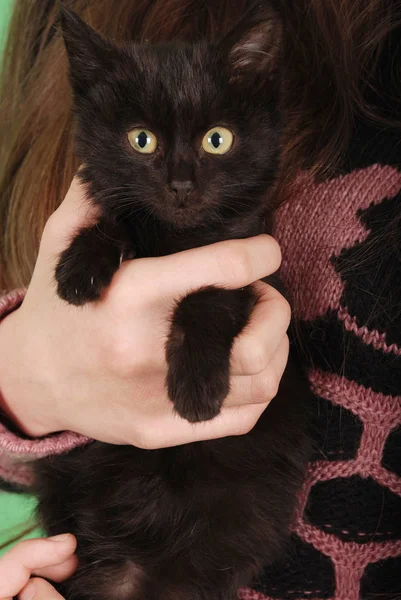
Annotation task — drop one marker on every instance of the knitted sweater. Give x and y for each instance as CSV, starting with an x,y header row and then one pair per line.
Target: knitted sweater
x,y
341,243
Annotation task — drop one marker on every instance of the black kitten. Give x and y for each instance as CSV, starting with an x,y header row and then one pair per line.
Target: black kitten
x,y
181,148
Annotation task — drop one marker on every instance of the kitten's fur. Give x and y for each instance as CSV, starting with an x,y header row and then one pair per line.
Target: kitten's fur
x,y
193,522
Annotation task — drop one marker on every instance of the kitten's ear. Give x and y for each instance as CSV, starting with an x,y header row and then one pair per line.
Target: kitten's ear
x,y
88,53
253,47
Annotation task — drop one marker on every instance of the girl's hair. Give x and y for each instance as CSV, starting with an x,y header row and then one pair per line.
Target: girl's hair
x,y
329,55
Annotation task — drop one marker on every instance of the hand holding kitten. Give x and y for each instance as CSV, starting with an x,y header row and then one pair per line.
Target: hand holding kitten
x,y
95,369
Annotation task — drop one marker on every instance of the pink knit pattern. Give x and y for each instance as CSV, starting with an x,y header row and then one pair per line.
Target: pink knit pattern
x,y
380,415
313,227
248,594
370,337
317,224
16,452
11,301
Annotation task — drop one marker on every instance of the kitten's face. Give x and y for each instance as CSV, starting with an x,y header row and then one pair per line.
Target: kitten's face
x,y
174,132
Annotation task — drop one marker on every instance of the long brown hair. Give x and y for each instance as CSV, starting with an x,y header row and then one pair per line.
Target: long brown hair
x,y
330,50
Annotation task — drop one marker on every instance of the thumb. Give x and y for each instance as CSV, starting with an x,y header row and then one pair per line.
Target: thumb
x,y
40,590
75,212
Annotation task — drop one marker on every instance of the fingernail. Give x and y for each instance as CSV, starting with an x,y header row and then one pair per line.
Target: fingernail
x,y
29,592
59,538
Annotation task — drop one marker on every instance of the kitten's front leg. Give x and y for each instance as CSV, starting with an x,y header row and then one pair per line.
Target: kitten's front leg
x,y
87,266
203,329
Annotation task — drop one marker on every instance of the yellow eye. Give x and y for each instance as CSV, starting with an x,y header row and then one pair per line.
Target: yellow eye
x,y
217,140
143,141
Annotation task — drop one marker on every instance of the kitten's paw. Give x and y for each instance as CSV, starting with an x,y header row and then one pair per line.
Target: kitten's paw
x,y
196,396
81,279
196,385
79,287
204,326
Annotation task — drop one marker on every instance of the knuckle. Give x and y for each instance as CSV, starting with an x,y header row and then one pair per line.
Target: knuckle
x,y
119,354
234,263
286,345
253,357
145,440
268,387
286,310
276,248
246,425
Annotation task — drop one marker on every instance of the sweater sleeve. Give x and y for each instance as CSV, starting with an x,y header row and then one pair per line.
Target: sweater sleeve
x,y
17,450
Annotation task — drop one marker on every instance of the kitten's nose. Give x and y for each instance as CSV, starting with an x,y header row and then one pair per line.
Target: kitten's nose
x,y
181,188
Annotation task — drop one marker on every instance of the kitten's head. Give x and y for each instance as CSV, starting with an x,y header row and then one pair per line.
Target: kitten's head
x,y
188,134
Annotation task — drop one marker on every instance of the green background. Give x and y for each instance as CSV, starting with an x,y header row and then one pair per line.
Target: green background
x,y
16,510
16,516
5,14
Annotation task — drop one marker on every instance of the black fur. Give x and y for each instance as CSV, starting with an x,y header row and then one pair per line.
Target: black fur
x,y
193,522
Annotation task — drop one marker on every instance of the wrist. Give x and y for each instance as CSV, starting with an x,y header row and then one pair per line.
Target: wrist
x,y
8,395
16,397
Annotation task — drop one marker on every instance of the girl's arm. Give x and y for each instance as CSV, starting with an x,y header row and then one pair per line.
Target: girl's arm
x,y
17,449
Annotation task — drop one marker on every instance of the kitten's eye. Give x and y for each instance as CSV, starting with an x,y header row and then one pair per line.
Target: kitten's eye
x,y
217,140
143,141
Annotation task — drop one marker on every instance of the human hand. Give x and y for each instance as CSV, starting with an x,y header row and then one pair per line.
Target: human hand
x,y
52,558
100,369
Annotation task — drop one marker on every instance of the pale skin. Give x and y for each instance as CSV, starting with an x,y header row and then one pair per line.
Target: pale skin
x,y
99,370
22,569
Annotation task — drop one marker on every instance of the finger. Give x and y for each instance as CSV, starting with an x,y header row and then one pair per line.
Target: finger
x,y
237,420
59,572
256,345
172,430
17,565
262,387
40,590
230,264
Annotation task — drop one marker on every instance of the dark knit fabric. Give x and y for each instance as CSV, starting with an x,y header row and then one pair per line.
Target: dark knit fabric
x,y
341,243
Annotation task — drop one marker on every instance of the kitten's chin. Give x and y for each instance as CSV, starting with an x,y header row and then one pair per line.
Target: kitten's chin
x,y
184,218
